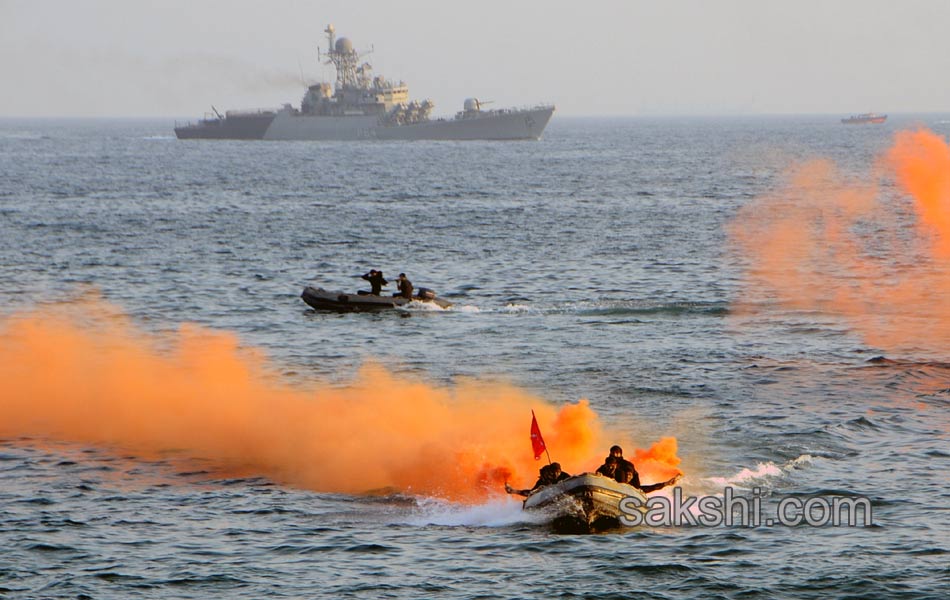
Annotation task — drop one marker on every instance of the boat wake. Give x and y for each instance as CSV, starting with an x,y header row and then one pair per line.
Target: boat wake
x,y
498,512
620,308
466,308
424,307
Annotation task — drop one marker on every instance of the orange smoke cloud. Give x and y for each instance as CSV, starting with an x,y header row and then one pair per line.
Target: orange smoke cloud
x,y
81,372
857,249
921,161
658,462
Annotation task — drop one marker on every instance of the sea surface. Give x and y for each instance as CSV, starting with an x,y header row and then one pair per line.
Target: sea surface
x,y
595,263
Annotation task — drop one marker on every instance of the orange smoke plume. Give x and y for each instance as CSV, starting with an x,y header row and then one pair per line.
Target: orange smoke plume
x,y
921,161
856,249
81,372
659,462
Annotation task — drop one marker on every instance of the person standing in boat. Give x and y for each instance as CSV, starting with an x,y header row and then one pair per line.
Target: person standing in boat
x,y
375,279
549,475
405,287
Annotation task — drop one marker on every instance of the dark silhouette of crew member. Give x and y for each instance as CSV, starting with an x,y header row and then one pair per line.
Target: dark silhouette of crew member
x,y
625,471
622,470
375,279
405,287
609,468
549,475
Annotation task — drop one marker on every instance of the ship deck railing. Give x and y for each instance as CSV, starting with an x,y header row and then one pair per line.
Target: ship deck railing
x,y
508,109
523,107
252,112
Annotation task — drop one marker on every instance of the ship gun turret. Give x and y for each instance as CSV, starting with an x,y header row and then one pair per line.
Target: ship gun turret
x,y
472,107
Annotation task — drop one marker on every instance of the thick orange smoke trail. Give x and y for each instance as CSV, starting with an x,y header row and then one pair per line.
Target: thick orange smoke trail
x,y
83,373
857,250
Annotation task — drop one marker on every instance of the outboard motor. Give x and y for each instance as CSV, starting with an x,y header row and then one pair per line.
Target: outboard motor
x,y
426,294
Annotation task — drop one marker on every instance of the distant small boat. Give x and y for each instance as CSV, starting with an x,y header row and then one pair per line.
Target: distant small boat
x,y
864,118
321,299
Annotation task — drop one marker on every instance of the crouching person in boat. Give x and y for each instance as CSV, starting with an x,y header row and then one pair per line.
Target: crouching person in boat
x,y
549,475
405,287
609,468
622,470
619,468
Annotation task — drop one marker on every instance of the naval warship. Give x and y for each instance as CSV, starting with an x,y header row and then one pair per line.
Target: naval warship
x,y
362,106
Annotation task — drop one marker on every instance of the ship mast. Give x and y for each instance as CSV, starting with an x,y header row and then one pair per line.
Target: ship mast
x,y
345,60
331,35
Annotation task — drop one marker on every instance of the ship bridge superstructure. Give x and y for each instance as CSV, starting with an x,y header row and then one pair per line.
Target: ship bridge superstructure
x,y
358,92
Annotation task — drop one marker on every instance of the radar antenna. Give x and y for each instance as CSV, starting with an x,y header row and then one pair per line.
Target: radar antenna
x,y
345,59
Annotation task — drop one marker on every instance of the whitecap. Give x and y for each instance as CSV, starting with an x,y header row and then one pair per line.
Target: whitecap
x,y
761,472
517,308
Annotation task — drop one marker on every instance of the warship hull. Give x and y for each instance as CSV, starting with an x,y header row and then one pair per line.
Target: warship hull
x,y
511,124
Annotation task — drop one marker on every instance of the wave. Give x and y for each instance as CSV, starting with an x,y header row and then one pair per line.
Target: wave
x,y
520,309
23,135
925,379
761,473
646,308
884,362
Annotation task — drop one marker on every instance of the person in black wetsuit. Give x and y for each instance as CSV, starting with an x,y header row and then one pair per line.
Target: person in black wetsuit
x,y
550,474
614,463
622,470
375,279
609,468
405,287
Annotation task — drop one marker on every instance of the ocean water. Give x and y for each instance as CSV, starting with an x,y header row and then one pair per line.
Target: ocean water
x,y
595,263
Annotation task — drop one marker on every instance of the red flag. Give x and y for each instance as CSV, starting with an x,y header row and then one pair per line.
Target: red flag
x,y
537,442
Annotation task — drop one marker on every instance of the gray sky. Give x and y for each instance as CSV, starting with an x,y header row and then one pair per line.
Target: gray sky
x,y
625,57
